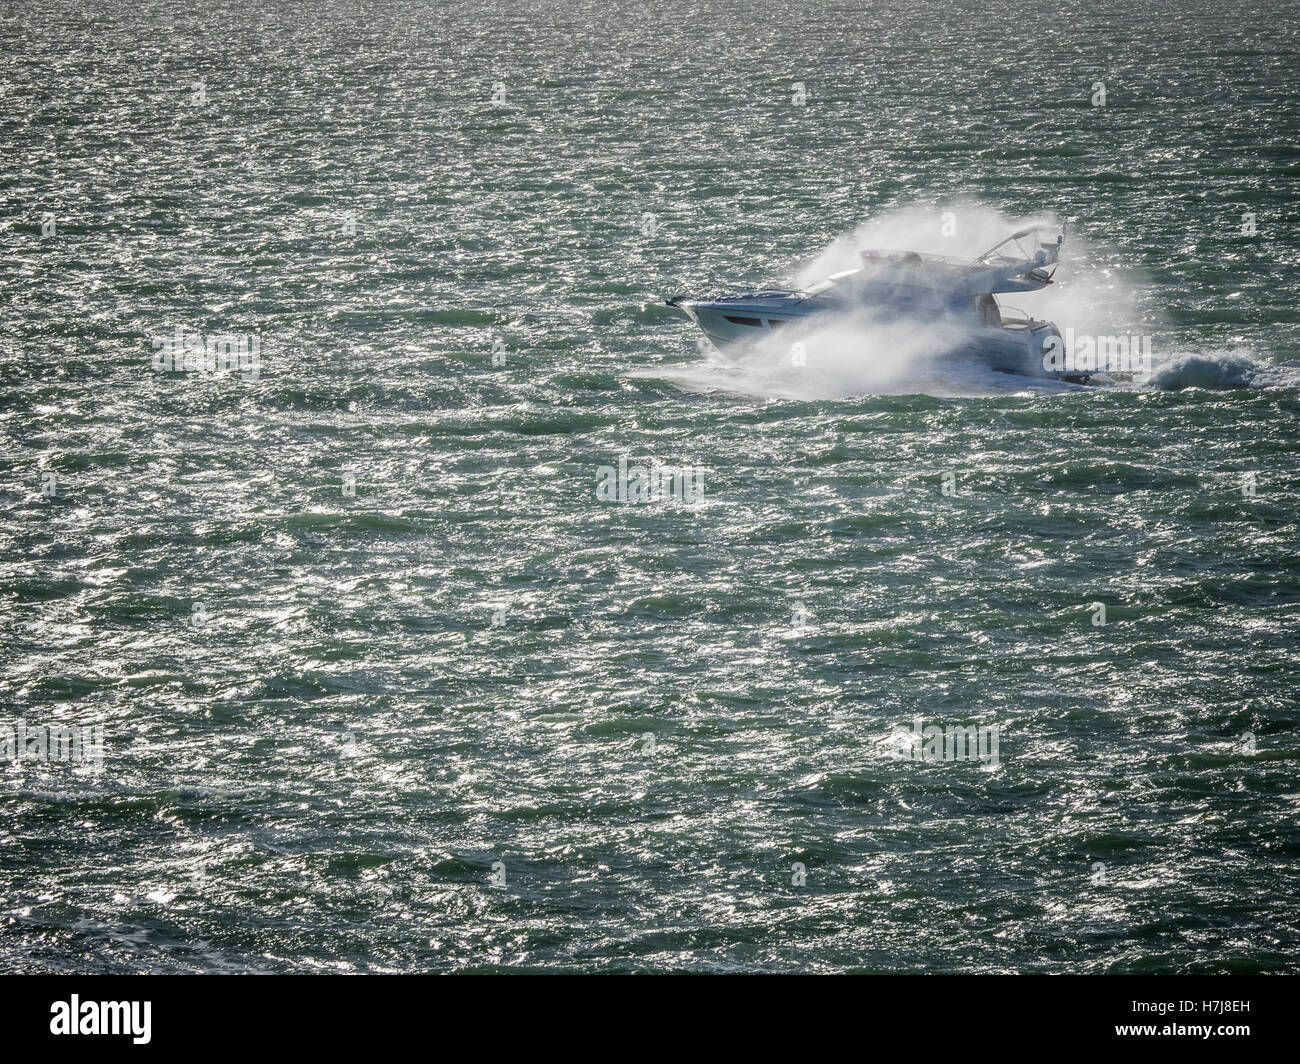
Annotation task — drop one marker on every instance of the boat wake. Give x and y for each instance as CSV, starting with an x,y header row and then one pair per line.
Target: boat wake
x,y
953,378
903,373
842,355
1218,370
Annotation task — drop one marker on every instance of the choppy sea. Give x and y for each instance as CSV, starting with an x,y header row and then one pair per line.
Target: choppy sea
x,y
353,672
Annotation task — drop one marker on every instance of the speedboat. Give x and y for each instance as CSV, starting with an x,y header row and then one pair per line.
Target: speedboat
x,y
905,286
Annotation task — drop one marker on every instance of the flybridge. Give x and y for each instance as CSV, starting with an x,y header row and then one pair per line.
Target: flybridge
x,y
1014,265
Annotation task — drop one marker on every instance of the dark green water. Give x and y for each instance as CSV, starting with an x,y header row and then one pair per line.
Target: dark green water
x,y
357,630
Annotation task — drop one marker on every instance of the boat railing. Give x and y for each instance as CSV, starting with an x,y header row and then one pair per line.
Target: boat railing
x,y
1015,318
1016,314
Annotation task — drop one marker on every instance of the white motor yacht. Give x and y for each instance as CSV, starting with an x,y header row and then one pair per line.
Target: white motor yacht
x,y
906,285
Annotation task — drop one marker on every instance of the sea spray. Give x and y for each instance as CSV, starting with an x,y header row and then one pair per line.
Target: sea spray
x,y
835,355
1094,291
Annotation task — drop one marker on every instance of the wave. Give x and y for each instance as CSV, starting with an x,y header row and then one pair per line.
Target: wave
x,y
1221,370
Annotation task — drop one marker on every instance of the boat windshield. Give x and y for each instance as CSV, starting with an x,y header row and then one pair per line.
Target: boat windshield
x,y
1024,246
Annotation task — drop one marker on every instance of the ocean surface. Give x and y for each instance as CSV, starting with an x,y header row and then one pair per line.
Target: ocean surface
x,y
363,677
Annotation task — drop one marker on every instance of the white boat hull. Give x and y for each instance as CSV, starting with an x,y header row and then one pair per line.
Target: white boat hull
x,y
1017,347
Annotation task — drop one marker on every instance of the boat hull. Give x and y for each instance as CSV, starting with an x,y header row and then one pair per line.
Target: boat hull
x,y
738,324
1016,347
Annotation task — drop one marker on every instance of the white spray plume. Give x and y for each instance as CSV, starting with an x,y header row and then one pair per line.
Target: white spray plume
x,y
857,354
